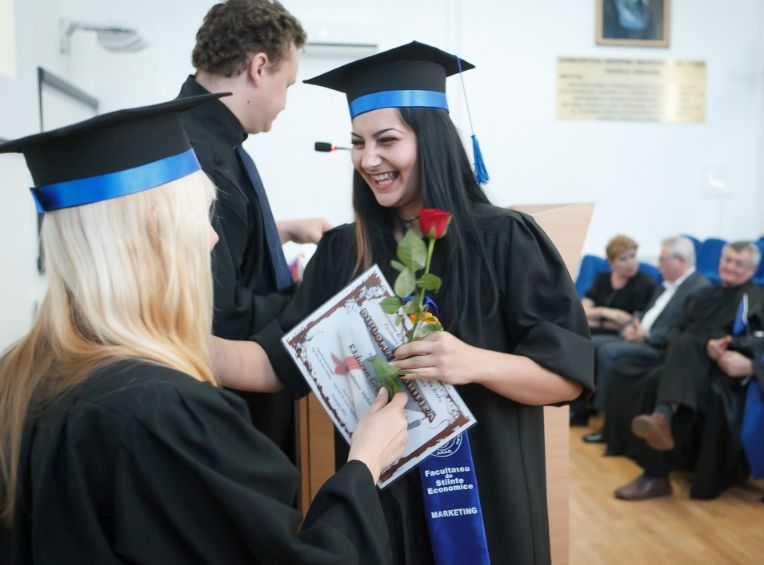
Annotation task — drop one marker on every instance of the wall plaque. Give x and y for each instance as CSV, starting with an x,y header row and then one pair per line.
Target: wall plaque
x,y
643,90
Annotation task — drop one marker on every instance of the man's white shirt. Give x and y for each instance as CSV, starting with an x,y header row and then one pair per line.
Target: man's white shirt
x,y
670,289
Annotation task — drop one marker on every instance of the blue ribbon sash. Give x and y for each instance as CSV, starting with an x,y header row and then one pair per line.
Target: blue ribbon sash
x,y
452,505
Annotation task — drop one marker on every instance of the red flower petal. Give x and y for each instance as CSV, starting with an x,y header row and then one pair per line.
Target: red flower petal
x,y
434,223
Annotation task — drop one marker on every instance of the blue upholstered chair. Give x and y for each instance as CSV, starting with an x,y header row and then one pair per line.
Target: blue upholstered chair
x,y
758,277
695,241
651,270
591,266
708,258
752,434
753,424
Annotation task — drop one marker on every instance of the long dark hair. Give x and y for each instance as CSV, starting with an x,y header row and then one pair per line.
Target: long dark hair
x,y
447,184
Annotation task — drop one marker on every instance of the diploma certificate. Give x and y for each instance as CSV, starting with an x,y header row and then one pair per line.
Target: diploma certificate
x,y
333,348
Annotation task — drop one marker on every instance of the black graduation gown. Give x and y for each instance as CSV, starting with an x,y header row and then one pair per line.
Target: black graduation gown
x,y
539,315
245,293
143,464
687,367
708,423
710,442
712,315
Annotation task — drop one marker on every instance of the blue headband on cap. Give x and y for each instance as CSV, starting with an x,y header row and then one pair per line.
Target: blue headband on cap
x,y
113,185
398,99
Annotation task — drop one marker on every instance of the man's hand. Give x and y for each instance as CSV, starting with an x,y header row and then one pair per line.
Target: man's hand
x,y
306,230
735,365
634,332
715,348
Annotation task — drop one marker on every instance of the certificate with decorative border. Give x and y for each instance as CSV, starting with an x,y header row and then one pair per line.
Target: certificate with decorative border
x,y
333,348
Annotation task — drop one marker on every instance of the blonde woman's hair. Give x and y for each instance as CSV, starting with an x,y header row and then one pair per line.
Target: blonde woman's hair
x,y
128,278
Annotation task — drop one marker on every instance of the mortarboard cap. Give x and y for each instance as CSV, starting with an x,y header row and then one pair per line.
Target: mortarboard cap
x,y
406,76
412,75
110,155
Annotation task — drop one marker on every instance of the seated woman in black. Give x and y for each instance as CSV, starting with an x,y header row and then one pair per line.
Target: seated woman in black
x,y
116,444
616,297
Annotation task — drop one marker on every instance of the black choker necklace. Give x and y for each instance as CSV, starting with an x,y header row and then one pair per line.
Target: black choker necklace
x,y
408,224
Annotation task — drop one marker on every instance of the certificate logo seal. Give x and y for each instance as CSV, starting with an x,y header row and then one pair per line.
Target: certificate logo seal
x,y
449,448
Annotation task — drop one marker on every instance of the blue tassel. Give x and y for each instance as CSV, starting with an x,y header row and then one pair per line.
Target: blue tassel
x,y
480,174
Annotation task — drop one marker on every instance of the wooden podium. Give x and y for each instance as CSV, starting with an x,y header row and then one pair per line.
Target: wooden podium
x,y
566,226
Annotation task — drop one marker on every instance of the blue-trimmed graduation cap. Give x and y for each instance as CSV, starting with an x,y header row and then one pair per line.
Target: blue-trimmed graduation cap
x,y
110,155
409,76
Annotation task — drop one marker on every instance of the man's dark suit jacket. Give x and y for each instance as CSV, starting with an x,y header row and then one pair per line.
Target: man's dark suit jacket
x,y
647,354
246,299
685,294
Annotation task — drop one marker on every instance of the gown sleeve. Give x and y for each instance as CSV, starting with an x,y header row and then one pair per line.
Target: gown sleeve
x,y
194,482
543,313
328,271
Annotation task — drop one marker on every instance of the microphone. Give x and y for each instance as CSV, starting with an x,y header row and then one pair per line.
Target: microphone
x,y
326,147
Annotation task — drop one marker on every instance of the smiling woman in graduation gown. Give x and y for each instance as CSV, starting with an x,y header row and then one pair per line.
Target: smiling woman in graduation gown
x,y
508,440
507,299
517,335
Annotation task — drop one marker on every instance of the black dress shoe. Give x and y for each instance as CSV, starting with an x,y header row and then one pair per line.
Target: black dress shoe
x,y
595,437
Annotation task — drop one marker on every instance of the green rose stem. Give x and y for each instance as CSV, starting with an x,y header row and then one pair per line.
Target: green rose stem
x,y
412,256
430,248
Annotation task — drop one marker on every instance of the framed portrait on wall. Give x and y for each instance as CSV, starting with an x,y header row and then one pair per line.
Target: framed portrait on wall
x,y
637,23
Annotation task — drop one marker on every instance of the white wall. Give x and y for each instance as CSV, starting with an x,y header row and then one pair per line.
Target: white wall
x,y
648,179
20,284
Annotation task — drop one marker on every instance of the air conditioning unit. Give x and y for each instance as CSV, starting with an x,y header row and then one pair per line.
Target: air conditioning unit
x,y
350,37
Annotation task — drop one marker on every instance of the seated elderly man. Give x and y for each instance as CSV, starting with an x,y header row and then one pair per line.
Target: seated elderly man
x,y
681,383
645,337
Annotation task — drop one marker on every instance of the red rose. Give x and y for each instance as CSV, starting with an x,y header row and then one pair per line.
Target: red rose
x,y
434,223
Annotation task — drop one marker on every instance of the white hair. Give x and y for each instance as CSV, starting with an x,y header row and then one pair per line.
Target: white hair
x,y
681,246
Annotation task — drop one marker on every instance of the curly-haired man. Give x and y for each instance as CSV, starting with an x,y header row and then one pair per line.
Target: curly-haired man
x,y
248,48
